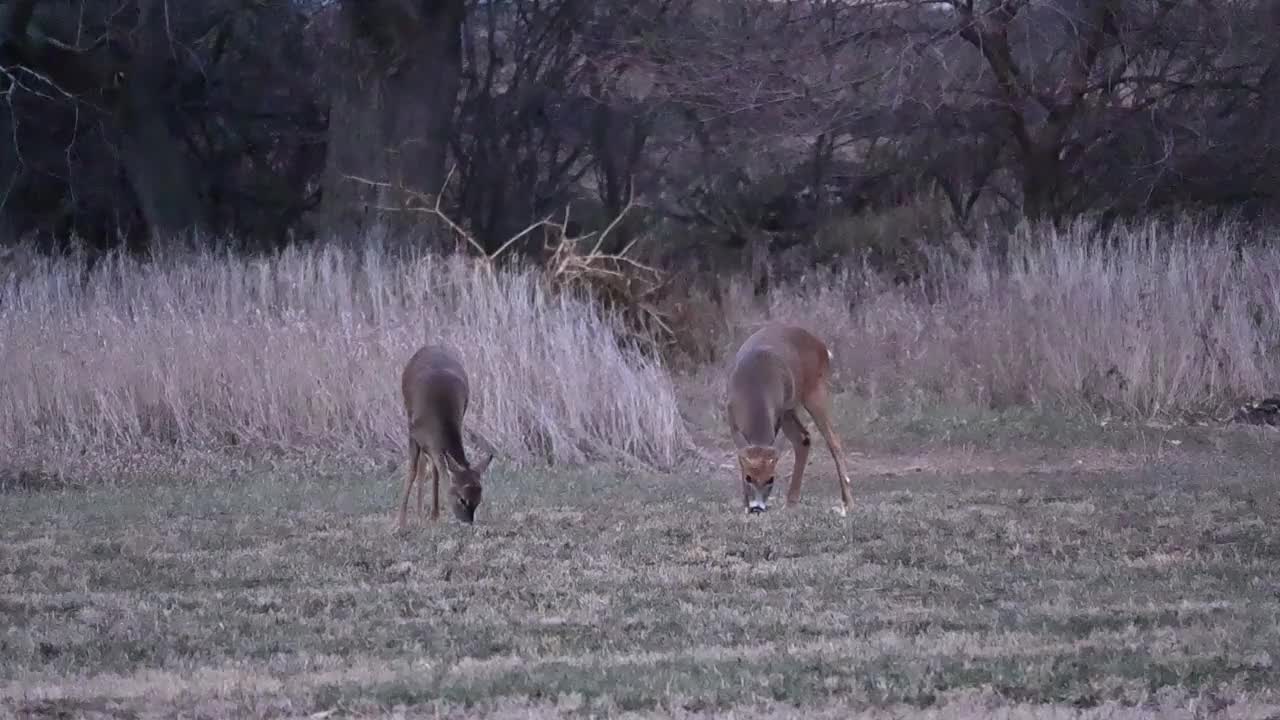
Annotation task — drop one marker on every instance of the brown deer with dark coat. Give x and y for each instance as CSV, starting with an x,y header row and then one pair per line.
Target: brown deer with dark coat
x,y
436,391
776,371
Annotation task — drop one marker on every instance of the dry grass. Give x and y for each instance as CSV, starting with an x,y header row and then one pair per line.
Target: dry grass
x,y
1146,592
1162,321
303,352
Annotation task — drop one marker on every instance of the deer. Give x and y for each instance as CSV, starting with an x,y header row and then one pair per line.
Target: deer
x,y
778,369
436,391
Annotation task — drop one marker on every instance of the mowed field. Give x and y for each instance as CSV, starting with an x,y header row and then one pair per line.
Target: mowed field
x,y
1055,584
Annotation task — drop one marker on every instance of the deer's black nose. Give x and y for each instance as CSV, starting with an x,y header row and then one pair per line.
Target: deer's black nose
x,y
755,509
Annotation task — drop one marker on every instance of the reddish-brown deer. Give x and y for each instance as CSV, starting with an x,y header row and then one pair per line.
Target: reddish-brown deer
x,y
436,391
776,371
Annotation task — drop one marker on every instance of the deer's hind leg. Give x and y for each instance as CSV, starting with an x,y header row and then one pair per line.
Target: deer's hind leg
x,y
435,492
800,442
414,453
435,488
419,499
818,403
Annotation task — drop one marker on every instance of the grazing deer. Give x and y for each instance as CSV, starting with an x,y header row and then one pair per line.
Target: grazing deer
x,y
436,390
778,369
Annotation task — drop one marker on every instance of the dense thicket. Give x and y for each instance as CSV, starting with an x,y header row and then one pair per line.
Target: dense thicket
x,y
730,122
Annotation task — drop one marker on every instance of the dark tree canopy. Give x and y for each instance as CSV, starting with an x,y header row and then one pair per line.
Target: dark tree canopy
x,y
749,121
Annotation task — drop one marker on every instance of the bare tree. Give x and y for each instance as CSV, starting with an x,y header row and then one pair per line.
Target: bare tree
x,y
748,122
1101,101
396,68
133,83
191,110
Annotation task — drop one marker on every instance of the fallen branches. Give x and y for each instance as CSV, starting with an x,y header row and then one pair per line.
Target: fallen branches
x,y
617,281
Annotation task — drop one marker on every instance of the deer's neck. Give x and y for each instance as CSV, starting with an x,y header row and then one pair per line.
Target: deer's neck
x,y
764,388
758,418
446,404
451,439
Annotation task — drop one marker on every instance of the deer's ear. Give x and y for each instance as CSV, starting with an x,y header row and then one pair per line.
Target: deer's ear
x,y
484,464
740,440
452,465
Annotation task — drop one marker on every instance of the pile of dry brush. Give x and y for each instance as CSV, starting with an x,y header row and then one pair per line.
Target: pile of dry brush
x,y
637,293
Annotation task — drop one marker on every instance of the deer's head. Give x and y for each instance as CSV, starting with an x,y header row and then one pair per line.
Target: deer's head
x,y
464,487
759,465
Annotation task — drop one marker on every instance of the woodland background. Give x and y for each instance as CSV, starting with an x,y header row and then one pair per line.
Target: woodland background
x,y
731,122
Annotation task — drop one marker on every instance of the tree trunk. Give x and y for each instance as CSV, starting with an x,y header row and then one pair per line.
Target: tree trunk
x,y
618,143
394,98
159,168
11,218
1041,178
161,171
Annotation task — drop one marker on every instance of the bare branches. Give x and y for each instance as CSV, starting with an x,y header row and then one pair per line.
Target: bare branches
x,y
620,282
432,205
617,280
770,74
742,119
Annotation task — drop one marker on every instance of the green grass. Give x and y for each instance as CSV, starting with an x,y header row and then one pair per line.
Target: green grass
x,y
1144,589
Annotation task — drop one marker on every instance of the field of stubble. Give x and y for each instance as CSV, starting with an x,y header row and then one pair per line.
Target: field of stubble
x,y
1121,587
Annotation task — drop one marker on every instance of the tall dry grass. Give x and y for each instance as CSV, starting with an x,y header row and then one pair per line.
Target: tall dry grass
x,y
1154,321
303,351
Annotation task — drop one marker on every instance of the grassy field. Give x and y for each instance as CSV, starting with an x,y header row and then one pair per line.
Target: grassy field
x,y
1049,584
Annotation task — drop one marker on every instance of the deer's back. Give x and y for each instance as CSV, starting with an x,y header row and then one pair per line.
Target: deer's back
x,y
788,354
436,390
